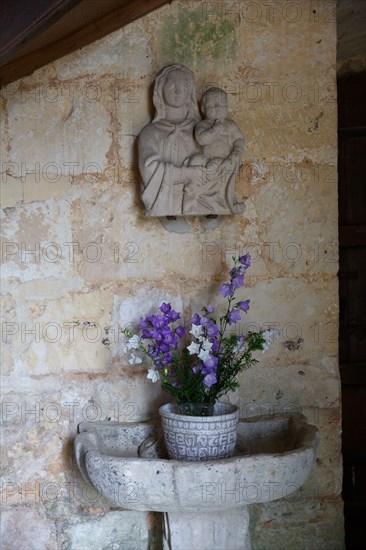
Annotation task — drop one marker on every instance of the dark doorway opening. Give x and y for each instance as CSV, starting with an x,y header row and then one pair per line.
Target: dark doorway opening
x,y
352,294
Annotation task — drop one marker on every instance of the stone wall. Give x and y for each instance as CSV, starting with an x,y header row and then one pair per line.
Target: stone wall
x,y
80,258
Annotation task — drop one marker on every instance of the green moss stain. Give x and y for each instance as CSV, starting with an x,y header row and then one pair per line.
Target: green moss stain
x,y
189,37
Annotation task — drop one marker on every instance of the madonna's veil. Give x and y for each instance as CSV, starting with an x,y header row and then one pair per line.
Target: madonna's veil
x,y
158,99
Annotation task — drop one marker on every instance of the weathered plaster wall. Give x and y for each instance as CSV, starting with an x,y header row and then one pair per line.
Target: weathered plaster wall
x,y
80,257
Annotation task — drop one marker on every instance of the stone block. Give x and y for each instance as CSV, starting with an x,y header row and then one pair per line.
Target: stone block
x,y
48,121
26,528
314,524
114,530
11,191
37,241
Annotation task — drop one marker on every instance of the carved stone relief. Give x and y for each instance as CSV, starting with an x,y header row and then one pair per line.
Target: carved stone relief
x,y
189,165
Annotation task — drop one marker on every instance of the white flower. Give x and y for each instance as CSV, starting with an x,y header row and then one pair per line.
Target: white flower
x,y
193,348
206,345
196,330
133,342
239,347
134,359
204,354
270,335
153,375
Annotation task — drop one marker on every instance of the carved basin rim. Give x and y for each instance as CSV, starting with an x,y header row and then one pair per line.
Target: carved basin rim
x,y
274,457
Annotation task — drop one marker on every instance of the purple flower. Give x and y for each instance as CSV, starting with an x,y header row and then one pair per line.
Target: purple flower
x,y
244,306
156,335
226,290
196,319
212,330
165,308
173,316
215,345
238,281
146,333
205,321
210,309
211,362
169,337
245,260
210,379
180,331
152,351
233,316
168,358
143,324
158,321
237,271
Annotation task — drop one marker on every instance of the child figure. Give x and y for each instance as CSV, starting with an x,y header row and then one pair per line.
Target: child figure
x,y
220,138
222,150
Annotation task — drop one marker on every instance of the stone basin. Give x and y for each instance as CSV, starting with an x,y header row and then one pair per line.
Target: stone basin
x,y
126,463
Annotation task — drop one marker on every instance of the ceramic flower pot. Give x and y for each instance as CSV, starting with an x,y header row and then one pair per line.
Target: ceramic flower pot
x,y
195,438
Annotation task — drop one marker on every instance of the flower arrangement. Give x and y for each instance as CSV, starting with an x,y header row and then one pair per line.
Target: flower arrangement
x,y
207,368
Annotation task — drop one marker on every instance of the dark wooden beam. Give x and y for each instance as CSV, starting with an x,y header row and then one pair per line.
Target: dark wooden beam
x,y
21,22
54,28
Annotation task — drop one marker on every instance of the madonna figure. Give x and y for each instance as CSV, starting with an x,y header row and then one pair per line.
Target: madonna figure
x,y
177,178
167,143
